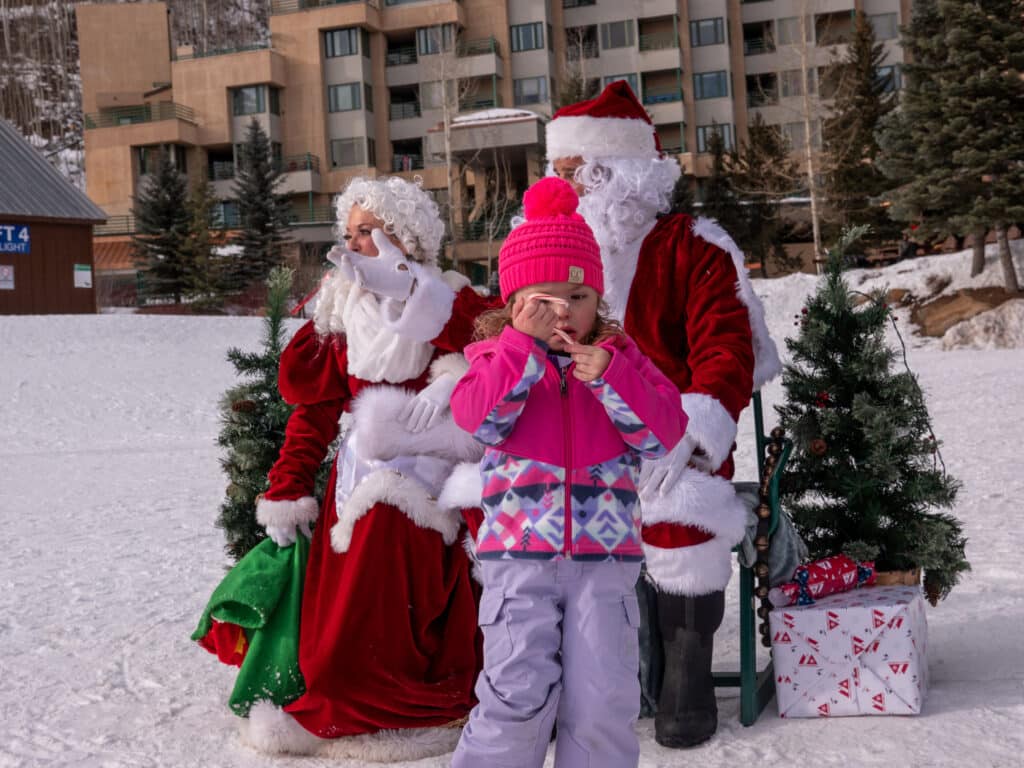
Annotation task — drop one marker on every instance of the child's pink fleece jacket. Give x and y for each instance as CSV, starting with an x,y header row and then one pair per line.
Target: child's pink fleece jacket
x,y
563,456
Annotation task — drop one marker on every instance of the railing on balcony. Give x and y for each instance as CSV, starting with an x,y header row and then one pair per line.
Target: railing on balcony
x,y
323,214
758,45
471,104
478,47
397,57
221,170
483,229
292,6
585,51
662,94
142,113
577,3
657,41
406,163
762,97
294,163
116,225
222,51
675,150
405,110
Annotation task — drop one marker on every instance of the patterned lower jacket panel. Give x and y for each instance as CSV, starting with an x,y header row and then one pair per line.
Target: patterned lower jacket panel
x,y
524,509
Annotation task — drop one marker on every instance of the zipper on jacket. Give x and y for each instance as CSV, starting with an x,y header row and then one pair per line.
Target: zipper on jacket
x,y
563,386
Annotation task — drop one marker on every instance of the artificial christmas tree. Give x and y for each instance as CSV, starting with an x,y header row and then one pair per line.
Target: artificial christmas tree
x,y
253,418
865,477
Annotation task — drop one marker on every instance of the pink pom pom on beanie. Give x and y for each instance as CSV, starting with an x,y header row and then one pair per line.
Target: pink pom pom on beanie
x,y
554,245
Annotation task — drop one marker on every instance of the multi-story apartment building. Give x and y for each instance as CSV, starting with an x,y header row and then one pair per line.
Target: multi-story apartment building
x,y
347,87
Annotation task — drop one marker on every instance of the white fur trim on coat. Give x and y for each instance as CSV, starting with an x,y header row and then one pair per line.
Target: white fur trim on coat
x,y
767,364
428,309
594,137
463,488
693,571
453,364
710,425
706,501
389,487
285,512
271,730
382,435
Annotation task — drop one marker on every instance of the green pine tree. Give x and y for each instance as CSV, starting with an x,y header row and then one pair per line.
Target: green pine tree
x,y
854,185
864,478
203,277
682,195
763,173
253,421
264,213
162,225
982,97
719,200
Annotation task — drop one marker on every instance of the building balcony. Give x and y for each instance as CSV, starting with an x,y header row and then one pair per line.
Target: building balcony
x,y
657,41
404,110
188,53
142,113
278,7
663,94
758,45
401,163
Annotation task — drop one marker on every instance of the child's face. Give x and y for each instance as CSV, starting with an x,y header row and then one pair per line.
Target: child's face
x,y
577,318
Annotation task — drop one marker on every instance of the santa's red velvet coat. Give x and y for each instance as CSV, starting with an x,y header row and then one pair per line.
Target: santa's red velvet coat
x,y
388,635
687,313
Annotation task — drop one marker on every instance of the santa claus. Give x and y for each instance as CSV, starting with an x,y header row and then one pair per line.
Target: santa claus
x,y
388,647
680,288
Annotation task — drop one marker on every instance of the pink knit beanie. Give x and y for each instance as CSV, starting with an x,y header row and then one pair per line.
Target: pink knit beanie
x,y
554,245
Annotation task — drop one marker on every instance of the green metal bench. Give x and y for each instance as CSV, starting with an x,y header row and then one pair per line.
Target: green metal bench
x,y
758,686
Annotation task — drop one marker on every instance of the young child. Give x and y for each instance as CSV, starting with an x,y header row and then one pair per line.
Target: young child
x,y
567,405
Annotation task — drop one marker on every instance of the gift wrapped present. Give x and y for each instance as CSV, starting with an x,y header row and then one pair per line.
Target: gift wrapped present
x,y
854,653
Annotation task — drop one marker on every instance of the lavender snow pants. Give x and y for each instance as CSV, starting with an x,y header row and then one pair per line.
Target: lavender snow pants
x,y
560,645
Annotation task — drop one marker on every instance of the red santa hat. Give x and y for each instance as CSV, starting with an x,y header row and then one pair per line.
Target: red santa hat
x,y
614,124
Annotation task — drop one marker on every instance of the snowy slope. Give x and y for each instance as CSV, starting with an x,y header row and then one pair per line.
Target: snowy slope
x,y
110,485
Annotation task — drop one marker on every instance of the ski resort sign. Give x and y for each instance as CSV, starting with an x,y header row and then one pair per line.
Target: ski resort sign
x,y
14,238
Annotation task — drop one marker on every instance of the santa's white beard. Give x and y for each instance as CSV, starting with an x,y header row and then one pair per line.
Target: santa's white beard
x,y
375,353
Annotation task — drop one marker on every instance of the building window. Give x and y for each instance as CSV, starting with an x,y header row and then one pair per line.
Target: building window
x,y
618,34
371,153
704,136
707,32
226,214
368,96
435,39
530,90
343,98
275,101
364,39
629,78
577,3
341,42
148,158
886,25
250,100
787,31
795,133
348,152
710,85
889,78
792,84
527,37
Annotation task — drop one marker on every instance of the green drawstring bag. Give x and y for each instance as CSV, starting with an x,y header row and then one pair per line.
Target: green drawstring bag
x,y
262,595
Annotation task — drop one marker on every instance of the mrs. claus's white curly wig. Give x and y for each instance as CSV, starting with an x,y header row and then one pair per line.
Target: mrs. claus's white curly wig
x,y
407,211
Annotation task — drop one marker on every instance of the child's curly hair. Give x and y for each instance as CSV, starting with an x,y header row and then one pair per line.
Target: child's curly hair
x,y
490,324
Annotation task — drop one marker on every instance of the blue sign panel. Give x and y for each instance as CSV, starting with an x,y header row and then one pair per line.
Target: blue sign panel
x,y
14,238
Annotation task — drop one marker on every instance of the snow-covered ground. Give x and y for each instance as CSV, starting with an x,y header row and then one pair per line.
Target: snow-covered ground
x,y
109,486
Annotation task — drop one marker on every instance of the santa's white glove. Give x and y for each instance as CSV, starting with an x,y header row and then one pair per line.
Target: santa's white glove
x,y
428,407
338,256
285,535
658,476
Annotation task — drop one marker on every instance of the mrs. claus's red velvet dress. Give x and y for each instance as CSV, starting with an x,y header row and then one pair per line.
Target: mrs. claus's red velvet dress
x,y
388,634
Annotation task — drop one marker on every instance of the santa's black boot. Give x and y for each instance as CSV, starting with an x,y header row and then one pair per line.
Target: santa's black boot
x,y
687,711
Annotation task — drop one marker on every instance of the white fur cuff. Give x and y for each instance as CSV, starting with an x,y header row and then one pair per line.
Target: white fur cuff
x,y
710,425
706,501
694,571
390,487
287,511
453,364
463,488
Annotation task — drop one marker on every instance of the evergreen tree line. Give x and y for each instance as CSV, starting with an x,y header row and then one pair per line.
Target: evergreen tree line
x,y
941,157
180,257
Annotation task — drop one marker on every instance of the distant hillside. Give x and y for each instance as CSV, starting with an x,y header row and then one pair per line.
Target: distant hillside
x,y
40,86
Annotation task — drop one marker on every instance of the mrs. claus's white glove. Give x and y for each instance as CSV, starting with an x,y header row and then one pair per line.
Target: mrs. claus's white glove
x,y
428,407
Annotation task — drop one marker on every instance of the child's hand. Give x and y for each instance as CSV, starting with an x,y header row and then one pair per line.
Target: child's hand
x,y
591,362
534,318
